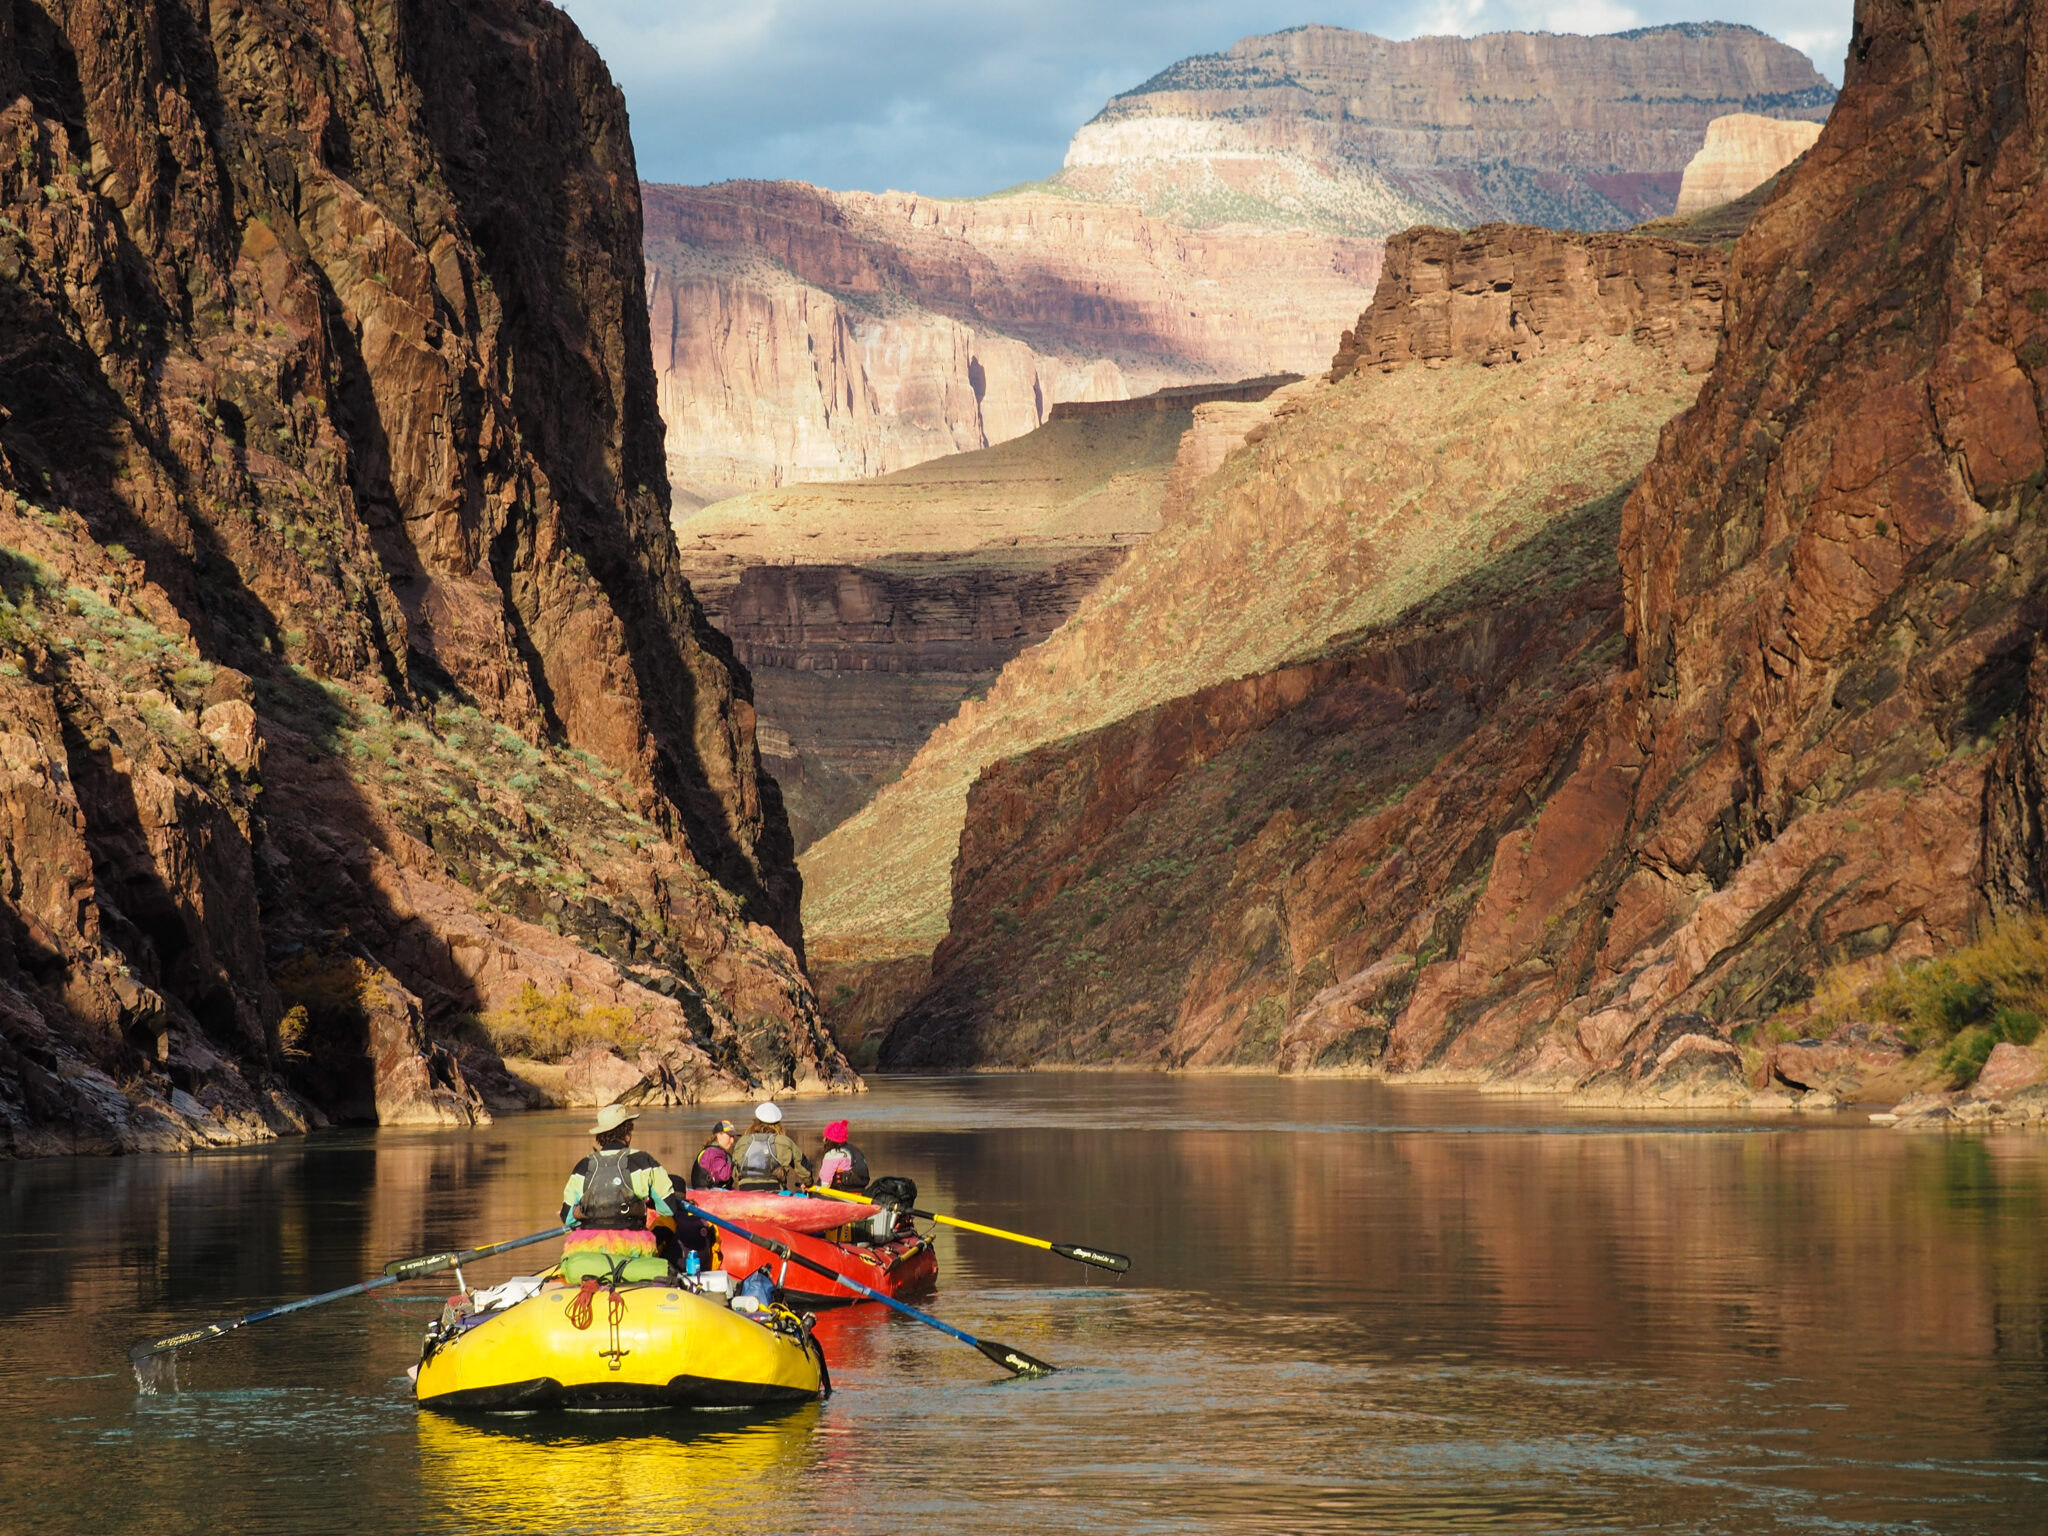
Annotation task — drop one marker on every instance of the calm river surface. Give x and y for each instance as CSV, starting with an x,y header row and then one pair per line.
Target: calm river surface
x,y
1354,1308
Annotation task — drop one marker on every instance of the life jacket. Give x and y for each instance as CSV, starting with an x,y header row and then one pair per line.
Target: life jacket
x,y
609,1201
755,1167
701,1177
855,1174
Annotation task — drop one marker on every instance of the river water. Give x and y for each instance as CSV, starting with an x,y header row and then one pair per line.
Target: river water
x,y
1354,1307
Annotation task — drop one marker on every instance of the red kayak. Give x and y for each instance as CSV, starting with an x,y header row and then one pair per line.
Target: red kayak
x,y
824,1231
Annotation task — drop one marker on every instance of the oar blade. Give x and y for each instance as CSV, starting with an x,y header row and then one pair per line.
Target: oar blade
x,y
143,1351
1014,1360
1100,1258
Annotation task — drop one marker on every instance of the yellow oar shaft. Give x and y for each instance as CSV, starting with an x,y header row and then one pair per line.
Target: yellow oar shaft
x,y
975,1226
1100,1258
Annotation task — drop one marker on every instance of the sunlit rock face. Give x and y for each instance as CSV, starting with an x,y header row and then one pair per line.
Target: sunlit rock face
x,y
1589,820
1349,132
348,686
806,335
868,611
1742,151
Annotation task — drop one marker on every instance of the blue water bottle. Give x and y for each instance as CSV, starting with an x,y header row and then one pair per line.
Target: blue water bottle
x,y
694,1264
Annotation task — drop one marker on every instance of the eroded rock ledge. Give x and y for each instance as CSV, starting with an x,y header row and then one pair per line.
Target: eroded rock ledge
x,y
347,682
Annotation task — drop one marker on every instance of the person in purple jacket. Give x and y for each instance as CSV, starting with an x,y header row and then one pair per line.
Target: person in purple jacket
x,y
713,1168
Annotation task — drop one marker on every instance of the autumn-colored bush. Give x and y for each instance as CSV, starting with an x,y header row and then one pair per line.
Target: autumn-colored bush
x,y
1962,1003
547,1026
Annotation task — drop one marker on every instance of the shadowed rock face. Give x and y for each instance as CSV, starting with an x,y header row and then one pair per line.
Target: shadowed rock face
x,y
1817,736
1347,131
331,498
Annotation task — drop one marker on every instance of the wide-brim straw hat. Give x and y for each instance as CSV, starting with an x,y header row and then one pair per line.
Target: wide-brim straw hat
x,y
611,1117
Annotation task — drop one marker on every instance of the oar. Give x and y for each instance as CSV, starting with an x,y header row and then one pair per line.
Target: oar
x,y
395,1271
1100,1258
1014,1360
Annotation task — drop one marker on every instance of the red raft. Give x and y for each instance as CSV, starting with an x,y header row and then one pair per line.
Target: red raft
x,y
822,1230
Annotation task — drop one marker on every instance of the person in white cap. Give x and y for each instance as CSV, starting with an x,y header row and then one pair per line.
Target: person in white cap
x,y
614,1191
766,1158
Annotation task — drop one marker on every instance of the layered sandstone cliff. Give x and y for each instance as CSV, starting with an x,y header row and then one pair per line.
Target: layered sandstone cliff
x,y
806,335
1350,132
1347,504
348,686
1503,294
1742,151
867,611
1799,728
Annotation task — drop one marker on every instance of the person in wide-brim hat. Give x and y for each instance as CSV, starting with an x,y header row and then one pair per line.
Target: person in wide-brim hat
x,y
616,1195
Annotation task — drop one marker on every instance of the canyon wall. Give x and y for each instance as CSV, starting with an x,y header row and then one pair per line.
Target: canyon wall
x,y
1345,506
1503,294
806,335
1352,133
1742,151
1797,725
866,612
348,685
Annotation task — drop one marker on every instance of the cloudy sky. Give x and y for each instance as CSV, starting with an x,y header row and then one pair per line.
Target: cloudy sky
x,y
956,99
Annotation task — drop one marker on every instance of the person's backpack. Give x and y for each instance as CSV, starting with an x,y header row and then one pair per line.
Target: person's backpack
x,y
608,1199
757,1161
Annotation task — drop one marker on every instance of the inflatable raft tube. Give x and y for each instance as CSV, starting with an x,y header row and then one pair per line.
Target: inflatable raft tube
x,y
668,1347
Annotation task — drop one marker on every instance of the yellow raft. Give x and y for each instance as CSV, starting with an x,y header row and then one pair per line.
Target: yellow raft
x,y
652,1344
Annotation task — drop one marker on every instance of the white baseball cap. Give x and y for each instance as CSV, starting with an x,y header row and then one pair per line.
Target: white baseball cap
x,y
769,1113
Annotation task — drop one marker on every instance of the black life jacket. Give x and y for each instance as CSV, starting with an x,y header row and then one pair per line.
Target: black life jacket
x,y
855,1177
609,1202
755,1167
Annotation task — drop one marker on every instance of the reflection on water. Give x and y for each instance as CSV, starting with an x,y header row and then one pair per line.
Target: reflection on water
x,y
572,1472
1354,1307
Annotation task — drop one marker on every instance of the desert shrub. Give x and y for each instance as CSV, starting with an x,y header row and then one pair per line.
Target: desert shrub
x,y
1963,1003
546,1026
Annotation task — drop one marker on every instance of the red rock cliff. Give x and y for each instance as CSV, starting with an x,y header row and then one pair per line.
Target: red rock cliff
x,y
331,474
1818,737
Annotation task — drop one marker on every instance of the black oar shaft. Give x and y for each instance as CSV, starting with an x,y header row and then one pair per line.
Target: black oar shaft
x,y
401,1269
1010,1359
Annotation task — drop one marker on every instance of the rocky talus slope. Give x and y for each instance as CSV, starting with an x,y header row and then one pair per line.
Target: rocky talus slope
x,y
806,335
867,611
1742,151
1351,133
1801,727
348,686
1348,504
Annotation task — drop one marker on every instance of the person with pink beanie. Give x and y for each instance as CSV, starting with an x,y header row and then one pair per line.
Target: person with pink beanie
x,y
842,1166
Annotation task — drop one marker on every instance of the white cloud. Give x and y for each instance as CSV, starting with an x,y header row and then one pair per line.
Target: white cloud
x,y
1449,18
1590,16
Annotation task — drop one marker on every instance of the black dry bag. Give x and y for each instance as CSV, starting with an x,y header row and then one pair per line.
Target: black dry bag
x,y
892,1190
